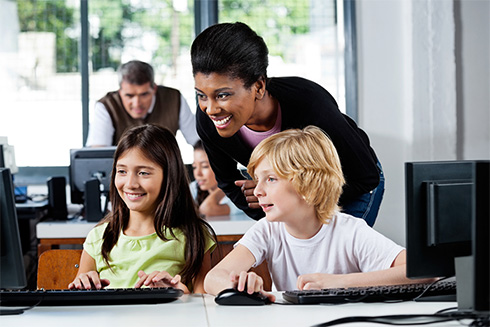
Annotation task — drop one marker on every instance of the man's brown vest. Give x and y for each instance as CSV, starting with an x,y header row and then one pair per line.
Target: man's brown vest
x,y
165,112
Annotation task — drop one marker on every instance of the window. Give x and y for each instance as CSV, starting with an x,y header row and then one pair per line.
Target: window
x,y
42,112
304,38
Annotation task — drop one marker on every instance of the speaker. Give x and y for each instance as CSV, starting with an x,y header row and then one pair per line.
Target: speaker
x,y
57,208
93,210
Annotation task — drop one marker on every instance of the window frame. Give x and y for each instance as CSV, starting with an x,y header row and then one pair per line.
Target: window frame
x,y
205,14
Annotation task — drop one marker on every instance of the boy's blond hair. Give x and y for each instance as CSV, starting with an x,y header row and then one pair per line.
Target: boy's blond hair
x,y
309,160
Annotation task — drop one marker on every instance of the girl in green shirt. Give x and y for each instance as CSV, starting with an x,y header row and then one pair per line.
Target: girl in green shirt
x,y
153,237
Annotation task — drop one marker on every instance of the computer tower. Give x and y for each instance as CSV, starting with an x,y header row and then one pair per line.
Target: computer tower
x,y
57,208
93,208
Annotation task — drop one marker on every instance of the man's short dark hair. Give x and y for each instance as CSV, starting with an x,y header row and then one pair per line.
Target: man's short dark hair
x,y
136,72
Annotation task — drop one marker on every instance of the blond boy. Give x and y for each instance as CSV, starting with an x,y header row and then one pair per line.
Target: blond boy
x,y
305,239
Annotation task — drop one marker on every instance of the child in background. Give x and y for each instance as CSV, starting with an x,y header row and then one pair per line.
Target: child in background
x,y
153,236
305,239
205,191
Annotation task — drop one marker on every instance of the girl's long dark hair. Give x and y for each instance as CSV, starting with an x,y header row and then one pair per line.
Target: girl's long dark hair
x,y
176,208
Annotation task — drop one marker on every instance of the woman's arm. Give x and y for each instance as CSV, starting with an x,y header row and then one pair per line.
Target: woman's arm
x,y
396,274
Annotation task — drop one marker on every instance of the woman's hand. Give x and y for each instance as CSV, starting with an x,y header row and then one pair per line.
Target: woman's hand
x,y
249,282
248,187
160,279
88,280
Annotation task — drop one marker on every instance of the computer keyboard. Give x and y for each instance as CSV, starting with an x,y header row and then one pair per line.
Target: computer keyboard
x,y
109,296
441,290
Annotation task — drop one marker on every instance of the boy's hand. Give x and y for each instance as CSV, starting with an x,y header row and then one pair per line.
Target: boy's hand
x,y
89,280
249,282
319,281
160,279
248,187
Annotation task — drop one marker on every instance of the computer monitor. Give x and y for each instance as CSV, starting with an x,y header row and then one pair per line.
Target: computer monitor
x,y
447,211
88,164
481,240
12,272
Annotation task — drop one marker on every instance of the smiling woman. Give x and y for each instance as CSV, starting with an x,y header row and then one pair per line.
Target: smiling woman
x,y
239,106
224,98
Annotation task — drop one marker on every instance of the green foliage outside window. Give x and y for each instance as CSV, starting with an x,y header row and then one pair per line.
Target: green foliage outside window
x,y
116,23
56,17
274,20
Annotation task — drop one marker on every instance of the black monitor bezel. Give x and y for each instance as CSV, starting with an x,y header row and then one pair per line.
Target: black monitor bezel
x,y
481,239
12,269
102,158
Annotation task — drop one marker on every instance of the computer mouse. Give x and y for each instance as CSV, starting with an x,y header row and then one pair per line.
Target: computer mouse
x,y
232,296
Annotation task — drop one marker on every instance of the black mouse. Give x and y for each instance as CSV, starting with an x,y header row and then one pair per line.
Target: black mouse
x,y
232,296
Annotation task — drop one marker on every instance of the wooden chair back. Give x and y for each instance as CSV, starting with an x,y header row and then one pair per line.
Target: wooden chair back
x,y
57,268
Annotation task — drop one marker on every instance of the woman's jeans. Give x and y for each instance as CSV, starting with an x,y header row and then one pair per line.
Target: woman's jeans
x,y
367,205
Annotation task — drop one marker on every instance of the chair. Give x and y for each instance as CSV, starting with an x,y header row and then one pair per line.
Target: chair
x,y
57,268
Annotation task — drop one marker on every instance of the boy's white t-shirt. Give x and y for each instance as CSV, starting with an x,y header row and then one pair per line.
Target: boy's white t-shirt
x,y
345,245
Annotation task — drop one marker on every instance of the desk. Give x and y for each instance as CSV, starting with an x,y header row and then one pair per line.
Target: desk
x,y
201,310
51,234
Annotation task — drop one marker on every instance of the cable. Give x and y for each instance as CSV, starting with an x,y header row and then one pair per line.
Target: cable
x,y
395,320
5,311
413,319
428,287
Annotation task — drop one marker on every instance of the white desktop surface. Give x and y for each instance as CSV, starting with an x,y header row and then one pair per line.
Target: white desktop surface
x,y
277,315
186,311
201,310
77,228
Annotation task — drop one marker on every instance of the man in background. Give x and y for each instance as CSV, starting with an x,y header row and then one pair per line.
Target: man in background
x,y
139,101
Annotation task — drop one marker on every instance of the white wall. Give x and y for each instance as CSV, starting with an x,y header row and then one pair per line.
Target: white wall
x,y
475,79
423,92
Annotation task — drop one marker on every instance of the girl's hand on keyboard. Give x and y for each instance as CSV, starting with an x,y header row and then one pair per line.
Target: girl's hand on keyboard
x,y
89,280
160,279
